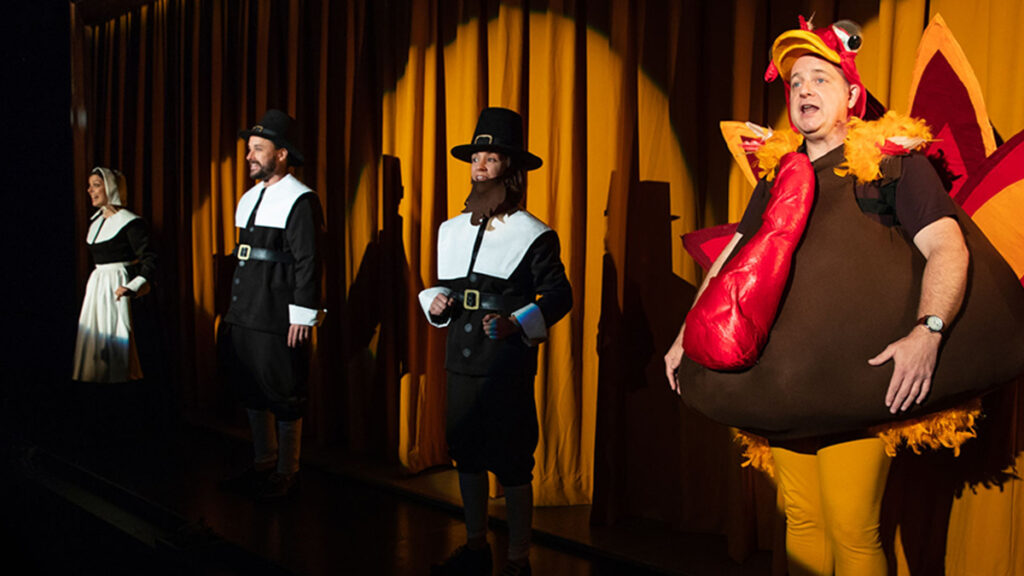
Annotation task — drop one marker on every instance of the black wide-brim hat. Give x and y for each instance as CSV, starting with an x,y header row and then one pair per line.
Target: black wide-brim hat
x,y
499,130
279,128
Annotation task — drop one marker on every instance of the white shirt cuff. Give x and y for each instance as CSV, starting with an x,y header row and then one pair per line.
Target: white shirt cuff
x,y
426,297
531,320
136,284
305,316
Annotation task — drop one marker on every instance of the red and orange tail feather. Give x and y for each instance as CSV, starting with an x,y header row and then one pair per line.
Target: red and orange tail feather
x,y
946,94
994,198
743,139
987,182
706,244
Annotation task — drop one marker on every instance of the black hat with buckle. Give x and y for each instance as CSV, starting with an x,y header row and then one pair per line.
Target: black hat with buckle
x,y
279,128
499,130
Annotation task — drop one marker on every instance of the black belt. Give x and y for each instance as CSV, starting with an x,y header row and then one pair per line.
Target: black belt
x,y
476,300
246,252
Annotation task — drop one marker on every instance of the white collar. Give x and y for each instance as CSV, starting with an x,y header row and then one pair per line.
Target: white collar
x,y
108,227
276,205
501,249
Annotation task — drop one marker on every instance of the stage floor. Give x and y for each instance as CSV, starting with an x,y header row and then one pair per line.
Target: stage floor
x,y
349,517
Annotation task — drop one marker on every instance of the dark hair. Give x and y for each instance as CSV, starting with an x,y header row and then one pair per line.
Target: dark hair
x,y
288,158
514,179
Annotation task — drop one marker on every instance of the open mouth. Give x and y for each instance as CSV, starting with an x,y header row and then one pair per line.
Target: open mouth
x,y
808,108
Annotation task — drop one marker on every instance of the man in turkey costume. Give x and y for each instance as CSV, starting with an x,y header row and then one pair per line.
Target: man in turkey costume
x,y
501,285
855,308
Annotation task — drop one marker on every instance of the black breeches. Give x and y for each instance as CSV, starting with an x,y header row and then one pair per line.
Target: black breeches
x,y
264,372
492,425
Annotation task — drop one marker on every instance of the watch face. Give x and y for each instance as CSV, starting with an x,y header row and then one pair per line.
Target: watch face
x,y
934,323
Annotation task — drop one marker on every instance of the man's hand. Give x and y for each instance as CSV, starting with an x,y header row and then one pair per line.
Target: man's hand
x,y
914,358
123,291
498,327
673,358
440,305
943,283
298,334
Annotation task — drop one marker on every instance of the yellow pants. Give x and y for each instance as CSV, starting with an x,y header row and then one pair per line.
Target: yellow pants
x,y
832,499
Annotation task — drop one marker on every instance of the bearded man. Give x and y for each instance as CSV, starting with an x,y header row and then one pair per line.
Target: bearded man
x,y
275,295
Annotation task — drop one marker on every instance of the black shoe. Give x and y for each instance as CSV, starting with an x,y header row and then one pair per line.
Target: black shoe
x,y
278,486
248,482
465,561
514,569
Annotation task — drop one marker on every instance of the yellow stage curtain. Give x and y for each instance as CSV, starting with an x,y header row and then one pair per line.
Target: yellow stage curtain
x,y
622,100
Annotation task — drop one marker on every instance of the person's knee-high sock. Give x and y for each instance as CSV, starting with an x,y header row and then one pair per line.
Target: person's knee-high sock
x,y
519,513
473,486
264,440
289,438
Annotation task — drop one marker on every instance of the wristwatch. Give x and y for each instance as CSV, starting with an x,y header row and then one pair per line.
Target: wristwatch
x,y
932,322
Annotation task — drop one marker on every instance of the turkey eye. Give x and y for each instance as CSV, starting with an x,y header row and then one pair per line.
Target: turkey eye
x,y
848,34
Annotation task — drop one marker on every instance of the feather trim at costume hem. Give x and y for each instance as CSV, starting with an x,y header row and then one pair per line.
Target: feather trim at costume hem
x,y
947,429
756,452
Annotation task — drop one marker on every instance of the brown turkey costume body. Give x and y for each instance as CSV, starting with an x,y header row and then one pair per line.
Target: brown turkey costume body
x,y
854,287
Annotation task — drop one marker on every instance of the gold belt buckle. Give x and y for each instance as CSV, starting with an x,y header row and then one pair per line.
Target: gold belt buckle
x,y
471,299
243,252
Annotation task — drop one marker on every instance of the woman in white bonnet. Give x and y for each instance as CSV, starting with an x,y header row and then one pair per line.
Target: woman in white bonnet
x,y
119,243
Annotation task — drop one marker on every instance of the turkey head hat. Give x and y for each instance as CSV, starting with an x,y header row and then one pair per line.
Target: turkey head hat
x,y
279,128
499,130
837,44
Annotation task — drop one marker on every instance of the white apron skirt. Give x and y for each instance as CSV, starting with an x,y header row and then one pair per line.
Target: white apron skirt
x,y
105,347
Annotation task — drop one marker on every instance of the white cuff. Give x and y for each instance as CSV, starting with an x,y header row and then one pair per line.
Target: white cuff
x,y
427,296
136,284
531,320
305,316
